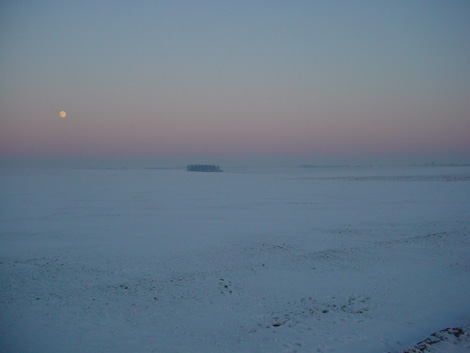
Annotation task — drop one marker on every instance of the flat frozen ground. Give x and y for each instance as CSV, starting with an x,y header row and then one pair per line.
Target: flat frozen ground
x,y
292,260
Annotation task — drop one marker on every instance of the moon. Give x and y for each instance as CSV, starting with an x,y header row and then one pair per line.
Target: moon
x,y
62,114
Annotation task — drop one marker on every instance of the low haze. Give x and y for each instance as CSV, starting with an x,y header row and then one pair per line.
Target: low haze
x,y
162,84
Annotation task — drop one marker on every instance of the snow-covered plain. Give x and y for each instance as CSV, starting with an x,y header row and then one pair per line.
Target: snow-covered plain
x,y
255,260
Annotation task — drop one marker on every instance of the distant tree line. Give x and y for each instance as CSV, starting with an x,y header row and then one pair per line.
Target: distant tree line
x,y
203,168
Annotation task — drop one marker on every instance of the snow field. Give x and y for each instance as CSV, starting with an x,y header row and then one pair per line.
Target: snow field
x,y
347,260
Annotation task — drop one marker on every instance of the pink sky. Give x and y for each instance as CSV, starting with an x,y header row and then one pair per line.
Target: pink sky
x,y
300,83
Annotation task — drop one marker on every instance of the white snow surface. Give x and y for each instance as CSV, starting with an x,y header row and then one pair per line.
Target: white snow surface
x,y
249,260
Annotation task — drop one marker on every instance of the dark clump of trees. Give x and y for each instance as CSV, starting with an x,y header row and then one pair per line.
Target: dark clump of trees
x,y
203,168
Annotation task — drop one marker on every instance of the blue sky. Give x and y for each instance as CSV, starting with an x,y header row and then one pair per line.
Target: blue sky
x,y
235,82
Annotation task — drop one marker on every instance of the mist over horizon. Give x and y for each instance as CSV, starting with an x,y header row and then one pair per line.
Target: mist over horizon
x,y
88,163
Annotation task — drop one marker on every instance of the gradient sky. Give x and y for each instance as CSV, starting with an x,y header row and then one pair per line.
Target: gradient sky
x,y
166,83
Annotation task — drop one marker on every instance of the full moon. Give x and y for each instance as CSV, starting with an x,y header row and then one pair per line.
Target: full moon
x,y
62,114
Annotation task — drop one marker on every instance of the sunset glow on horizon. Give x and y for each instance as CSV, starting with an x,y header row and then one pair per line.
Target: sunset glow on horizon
x,y
169,83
